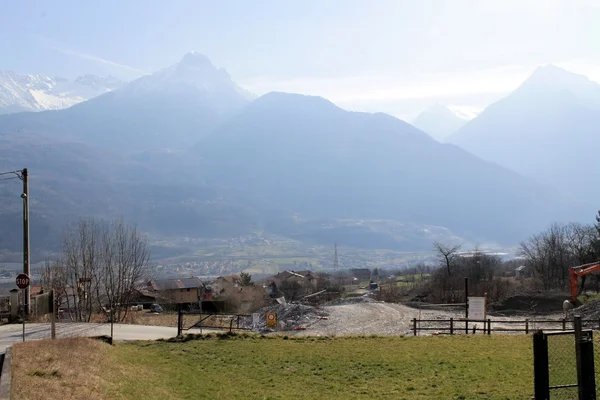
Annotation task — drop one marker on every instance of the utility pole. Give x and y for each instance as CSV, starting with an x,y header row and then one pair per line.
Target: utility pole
x,y
336,265
335,259
24,175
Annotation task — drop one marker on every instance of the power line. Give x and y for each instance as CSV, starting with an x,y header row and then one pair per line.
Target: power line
x,y
17,172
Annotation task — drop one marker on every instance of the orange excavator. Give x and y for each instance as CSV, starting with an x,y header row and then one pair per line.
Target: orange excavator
x,y
580,271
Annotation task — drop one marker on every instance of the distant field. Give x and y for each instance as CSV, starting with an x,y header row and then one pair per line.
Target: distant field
x,y
459,367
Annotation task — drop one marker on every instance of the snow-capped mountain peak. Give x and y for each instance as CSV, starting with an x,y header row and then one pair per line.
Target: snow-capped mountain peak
x,y
35,92
194,71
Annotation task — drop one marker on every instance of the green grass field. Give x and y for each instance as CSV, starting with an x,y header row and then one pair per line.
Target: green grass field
x,y
459,367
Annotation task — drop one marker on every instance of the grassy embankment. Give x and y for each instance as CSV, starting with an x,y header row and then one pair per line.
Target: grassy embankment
x,y
459,367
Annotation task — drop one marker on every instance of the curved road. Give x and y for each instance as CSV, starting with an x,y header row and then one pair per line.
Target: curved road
x,y
13,333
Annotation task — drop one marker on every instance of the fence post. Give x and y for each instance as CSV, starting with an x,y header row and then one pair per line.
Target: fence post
x,y
179,319
414,327
452,326
489,327
527,327
466,305
584,350
564,321
541,375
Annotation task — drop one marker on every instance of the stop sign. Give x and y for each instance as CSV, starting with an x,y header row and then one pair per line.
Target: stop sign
x,y
22,281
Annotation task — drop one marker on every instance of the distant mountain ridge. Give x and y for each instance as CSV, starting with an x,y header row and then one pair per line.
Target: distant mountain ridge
x,y
173,107
186,152
20,93
547,129
303,154
439,122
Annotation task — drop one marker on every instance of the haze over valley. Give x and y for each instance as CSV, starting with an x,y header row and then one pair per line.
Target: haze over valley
x,y
204,163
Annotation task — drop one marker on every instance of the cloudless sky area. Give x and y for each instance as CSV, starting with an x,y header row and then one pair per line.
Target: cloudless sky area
x,y
395,56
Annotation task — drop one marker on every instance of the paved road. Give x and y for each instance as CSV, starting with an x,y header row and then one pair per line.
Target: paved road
x,y
13,333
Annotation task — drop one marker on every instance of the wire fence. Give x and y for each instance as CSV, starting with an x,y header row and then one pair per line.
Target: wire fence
x,y
562,367
564,364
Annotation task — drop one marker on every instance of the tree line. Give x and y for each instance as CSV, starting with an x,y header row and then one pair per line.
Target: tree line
x,y
548,255
551,253
101,265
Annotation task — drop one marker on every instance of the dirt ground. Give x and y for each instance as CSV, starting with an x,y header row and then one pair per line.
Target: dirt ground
x,y
378,318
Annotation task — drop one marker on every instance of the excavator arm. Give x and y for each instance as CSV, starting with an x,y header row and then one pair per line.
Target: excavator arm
x,y
580,271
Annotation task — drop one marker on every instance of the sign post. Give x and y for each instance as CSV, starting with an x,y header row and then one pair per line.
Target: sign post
x,y
23,283
53,315
477,308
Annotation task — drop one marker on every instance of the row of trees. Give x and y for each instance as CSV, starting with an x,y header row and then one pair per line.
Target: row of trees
x,y
552,252
100,267
447,283
548,254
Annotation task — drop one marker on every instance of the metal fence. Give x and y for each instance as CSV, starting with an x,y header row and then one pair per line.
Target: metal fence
x,y
220,321
564,364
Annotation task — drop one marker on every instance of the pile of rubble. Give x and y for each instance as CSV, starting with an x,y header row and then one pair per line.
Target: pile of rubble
x,y
290,316
532,303
589,310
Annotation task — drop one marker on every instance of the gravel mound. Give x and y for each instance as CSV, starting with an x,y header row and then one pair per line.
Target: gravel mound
x,y
350,300
589,310
539,303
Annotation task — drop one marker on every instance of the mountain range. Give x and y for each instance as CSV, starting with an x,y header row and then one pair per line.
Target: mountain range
x,y
547,129
439,121
187,152
20,93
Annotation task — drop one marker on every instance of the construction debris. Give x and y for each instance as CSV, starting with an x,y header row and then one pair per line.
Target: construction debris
x,y
290,316
589,310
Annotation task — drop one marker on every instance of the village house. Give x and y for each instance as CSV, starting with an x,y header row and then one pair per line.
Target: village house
x,y
295,284
237,298
225,282
177,291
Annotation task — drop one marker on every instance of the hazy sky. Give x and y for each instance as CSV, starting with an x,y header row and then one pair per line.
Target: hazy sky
x,y
374,55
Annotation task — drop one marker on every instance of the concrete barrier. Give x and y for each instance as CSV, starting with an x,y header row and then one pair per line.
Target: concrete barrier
x,y
5,375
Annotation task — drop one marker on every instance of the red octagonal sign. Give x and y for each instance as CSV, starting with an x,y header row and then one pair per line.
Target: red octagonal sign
x,y
22,281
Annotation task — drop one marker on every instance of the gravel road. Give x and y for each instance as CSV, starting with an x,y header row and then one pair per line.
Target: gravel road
x,y
377,318
12,333
364,319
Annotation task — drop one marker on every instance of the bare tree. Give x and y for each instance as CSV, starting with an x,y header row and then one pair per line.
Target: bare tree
x,y
81,262
446,255
552,252
580,242
53,277
124,265
100,265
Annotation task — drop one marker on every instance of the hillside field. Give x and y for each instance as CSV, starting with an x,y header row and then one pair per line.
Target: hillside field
x,y
256,367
